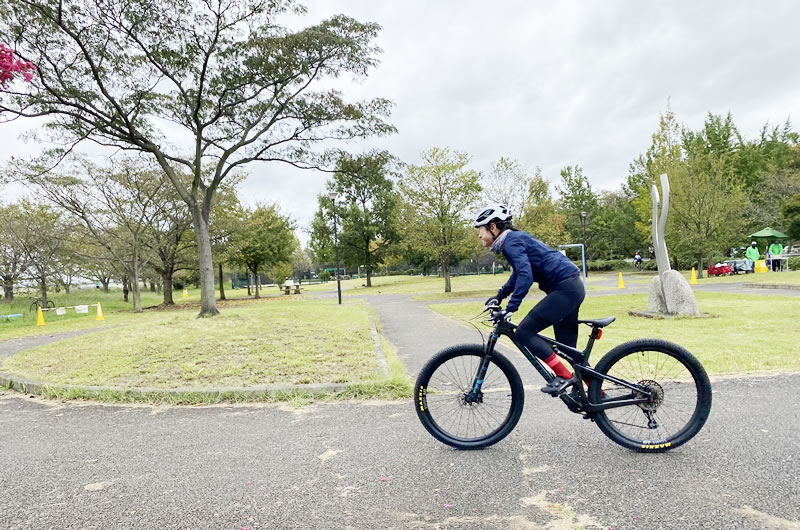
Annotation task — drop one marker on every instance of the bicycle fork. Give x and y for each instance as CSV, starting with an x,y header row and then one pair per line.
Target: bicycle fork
x,y
484,366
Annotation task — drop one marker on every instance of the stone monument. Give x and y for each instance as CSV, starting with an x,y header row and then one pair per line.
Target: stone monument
x,y
670,293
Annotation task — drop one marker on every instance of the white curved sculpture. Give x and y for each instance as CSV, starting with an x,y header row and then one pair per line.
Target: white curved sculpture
x,y
670,293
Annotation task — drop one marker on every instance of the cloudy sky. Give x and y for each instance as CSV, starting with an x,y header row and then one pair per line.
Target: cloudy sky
x,y
550,84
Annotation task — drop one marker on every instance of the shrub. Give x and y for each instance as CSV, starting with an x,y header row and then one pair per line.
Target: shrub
x,y
324,276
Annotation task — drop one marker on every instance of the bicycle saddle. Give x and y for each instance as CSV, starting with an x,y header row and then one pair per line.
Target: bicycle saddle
x,y
600,322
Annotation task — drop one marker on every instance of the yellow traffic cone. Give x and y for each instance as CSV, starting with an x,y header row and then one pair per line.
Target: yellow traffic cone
x,y
620,283
39,317
99,312
186,293
693,280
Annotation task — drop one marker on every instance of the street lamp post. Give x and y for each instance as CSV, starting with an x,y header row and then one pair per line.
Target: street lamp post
x,y
332,196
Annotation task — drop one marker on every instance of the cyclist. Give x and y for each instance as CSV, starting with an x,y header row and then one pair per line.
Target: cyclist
x,y
638,260
533,261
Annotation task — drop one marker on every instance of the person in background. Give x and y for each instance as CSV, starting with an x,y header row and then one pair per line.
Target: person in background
x,y
753,255
637,260
776,249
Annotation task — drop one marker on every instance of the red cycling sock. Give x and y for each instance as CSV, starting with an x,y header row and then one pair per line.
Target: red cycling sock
x,y
558,367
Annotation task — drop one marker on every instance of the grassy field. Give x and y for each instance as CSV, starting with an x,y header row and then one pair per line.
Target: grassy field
x,y
115,309
432,287
747,332
291,340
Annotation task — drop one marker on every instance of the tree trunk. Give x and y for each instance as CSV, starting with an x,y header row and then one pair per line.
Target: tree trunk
x,y
125,289
208,301
137,293
105,282
152,286
258,282
221,284
158,288
43,287
446,271
167,279
8,289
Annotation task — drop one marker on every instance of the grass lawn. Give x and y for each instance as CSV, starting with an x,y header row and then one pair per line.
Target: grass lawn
x,y
749,333
432,287
289,340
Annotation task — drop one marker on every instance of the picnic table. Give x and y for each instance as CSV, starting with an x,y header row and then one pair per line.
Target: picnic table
x,y
288,286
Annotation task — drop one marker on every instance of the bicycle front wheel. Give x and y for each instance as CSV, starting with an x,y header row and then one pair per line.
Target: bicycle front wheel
x,y
456,416
681,399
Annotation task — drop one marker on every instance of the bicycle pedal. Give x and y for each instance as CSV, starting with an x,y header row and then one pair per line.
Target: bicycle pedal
x,y
557,386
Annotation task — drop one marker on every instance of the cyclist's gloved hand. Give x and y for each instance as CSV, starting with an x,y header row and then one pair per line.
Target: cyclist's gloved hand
x,y
493,301
504,315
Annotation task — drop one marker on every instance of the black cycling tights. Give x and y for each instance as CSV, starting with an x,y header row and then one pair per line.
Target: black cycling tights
x,y
558,309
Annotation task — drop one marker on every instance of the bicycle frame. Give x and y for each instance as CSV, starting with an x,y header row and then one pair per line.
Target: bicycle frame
x,y
576,358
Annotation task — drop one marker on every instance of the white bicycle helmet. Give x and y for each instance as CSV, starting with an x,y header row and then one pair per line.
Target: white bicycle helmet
x,y
492,213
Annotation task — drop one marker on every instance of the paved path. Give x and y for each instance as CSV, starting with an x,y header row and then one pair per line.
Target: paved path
x,y
372,465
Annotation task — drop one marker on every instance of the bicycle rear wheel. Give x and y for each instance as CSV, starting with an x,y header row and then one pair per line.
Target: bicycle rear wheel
x,y
681,402
452,413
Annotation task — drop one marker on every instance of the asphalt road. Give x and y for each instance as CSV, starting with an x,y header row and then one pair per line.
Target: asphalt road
x,y
372,465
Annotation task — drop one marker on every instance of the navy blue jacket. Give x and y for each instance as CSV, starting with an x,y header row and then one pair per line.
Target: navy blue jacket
x,y
532,261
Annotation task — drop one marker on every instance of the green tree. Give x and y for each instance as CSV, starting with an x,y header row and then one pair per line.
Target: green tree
x,y
322,241
13,262
39,233
663,156
440,195
539,215
706,207
791,213
265,241
367,208
233,85
580,204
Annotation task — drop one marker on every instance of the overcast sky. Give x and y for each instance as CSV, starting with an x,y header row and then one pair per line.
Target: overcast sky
x,y
550,83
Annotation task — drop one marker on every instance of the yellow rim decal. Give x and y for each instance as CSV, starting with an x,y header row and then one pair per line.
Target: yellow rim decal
x,y
657,446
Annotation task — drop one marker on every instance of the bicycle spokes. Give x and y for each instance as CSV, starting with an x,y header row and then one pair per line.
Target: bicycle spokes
x,y
455,406
671,391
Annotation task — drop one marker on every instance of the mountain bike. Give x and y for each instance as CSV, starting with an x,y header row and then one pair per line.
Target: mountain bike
x,y
647,395
36,303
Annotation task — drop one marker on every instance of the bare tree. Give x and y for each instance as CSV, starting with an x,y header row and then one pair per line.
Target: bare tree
x,y
125,198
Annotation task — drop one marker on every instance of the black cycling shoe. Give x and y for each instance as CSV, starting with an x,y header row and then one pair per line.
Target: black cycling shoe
x,y
557,385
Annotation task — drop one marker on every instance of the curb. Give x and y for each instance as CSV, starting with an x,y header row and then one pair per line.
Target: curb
x,y
10,381
773,286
